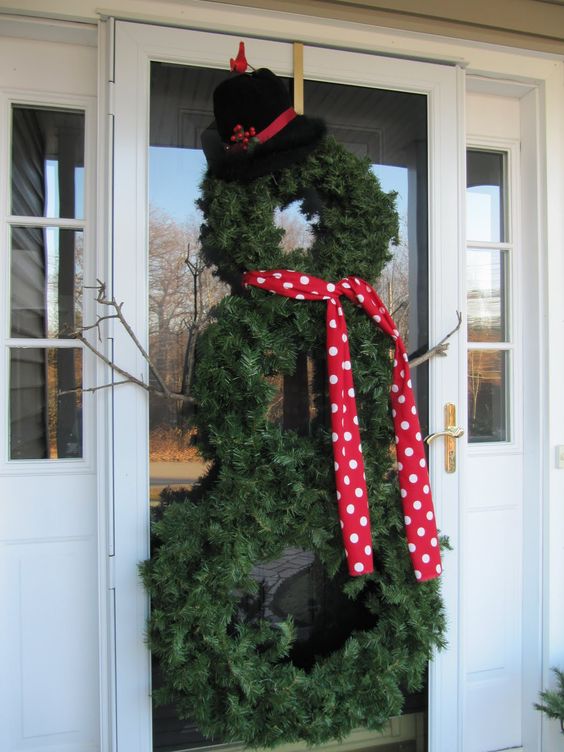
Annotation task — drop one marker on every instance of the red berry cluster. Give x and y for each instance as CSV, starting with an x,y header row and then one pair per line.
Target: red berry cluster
x,y
241,136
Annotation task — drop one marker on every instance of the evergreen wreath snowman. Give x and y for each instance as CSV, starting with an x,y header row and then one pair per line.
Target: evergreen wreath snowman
x,y
345,505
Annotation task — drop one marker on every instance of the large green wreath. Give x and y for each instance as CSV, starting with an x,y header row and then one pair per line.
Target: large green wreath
x,y
270,492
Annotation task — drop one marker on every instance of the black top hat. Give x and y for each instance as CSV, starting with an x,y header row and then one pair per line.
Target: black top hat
x,y
256,131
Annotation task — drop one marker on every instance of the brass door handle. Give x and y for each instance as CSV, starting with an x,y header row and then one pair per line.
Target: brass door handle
x,y
451,432
455,432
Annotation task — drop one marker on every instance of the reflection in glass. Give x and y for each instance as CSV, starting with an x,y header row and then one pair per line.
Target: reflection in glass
x,y
46,281
47,163
45,424
390,128
487,395
485,196
298,231
486,273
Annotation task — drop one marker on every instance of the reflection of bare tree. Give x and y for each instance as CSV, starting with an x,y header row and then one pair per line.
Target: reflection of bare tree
x,y
297,229
182,294
393,287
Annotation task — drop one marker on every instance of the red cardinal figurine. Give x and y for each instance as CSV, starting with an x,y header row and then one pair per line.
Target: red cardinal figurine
x,y
240,64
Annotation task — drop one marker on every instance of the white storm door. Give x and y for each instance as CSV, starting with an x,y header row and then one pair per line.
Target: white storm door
x,y
136,47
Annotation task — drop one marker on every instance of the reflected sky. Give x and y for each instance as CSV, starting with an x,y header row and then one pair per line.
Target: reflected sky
x,y
176,174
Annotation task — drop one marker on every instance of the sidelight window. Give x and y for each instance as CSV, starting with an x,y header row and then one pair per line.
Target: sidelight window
x,y
46,231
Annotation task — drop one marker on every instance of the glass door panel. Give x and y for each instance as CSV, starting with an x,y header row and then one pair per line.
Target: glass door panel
x,y
390,129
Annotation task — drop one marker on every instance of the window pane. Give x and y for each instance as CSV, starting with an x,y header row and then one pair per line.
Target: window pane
x,y
46,282
47,163
486,199
45,424
389,128
486,274
487,395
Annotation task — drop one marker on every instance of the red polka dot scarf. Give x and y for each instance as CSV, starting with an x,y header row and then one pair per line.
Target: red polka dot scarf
x,y
421,530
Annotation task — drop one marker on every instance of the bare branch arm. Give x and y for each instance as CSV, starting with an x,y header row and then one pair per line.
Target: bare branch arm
x,y
439,349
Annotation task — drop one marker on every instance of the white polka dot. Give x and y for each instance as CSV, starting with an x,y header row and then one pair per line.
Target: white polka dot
x,y
351,392
417,574
395,388
336,465
402,374
347,480
429,515
355,420
401,399
333,379
407,519
413,478
334,407
344,337
409,384
364,521
358,492
334,436
394,413
405,357
331,287
353,464
333,324
420,531
358,567
343,451
408,451
304,280
403,493
422,463
299,296
425,558
397,439
340,311
400,465
395,362
368,550
346,284
350,508
404,424
347,365
338,496
342,524
414,410
426,489
438,569
332,351
287,285
377,318
434,542
360,298
418,436
353,538
360,448
412,547
347,435
277,275
417,505
261,280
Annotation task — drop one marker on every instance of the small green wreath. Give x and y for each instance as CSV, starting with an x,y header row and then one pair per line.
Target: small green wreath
x,y
230,652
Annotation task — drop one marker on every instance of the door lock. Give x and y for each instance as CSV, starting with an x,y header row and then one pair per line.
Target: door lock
x,y
451,433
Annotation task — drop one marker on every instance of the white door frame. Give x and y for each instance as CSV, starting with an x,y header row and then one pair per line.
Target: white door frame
x,y
136,46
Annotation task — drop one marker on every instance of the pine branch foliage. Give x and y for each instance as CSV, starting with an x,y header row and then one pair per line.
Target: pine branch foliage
x,y
271,489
